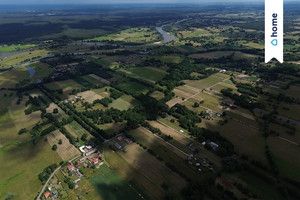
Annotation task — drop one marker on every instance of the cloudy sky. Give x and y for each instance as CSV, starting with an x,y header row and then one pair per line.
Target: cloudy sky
x,y
114,1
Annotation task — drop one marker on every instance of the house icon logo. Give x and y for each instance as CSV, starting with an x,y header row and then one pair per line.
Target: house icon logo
x,y
274,42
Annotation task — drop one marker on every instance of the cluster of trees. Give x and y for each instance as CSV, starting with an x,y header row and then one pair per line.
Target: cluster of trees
x,y
115,94
271,161
106,116
105,101
272,73
247,88
151,128
186,118
35,104
243,100
21,131
78,117
182,71
283,97
68,135
70,183
44,176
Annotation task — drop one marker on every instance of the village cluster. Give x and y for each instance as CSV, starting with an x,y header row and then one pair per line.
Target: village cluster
x,y
73,173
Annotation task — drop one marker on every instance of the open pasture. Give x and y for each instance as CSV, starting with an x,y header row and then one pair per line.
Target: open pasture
x,y
112,128
67,86
76,130
166,151
174,101
173,125
146,72
13,48
42,70
61,114
22,57
104,92
123,103
207,82
24,161
254,45
173,133
111,186
246,140
9,79
194,32
293,91
92,79
13,118
98,78
65,150
133,88
286,156
212,55
132,35
89,96
210,102
217,88
129,174
157,95
152,168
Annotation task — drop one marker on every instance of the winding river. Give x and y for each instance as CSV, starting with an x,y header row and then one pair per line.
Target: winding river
x,y
31,71
168,37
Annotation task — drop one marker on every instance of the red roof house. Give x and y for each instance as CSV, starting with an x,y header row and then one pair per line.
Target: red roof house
x,y
95,160
120,138
71,167
47,194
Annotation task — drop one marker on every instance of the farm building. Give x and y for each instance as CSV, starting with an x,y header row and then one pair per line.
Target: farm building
x,y
214,146
118,146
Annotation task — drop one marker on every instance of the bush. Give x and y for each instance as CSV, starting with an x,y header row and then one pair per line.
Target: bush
x,y
23,130
54,147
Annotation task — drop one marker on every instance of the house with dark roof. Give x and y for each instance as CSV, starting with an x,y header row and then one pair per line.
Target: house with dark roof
x,y
55,192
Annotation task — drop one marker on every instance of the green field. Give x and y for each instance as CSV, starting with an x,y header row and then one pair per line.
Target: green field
x,y
24,161
111,186
195,32
259,186
207,82
76,130
22,57
286,158
166,152
42,70
146,72
112,128
133,88
67,86
212,55
132,35
13,48
9,79
123,103
157,95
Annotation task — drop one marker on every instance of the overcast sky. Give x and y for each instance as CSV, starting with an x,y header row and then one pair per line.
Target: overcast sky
x,y
114,1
